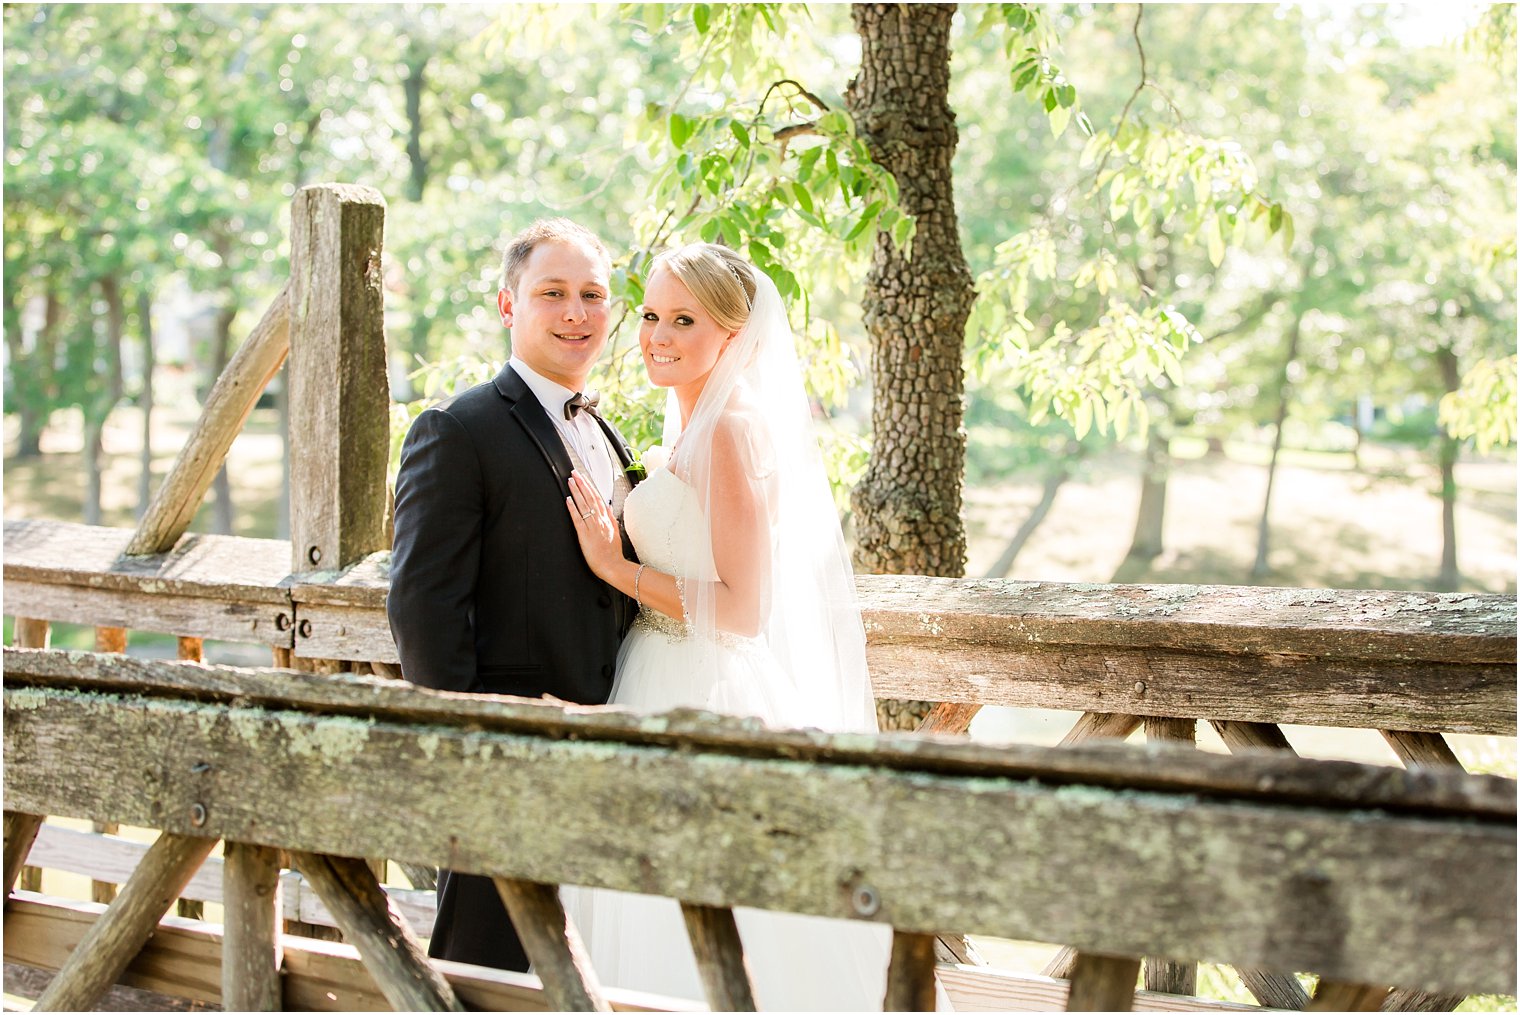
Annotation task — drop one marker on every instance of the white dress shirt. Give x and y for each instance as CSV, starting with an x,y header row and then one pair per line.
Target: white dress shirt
x,y
584,434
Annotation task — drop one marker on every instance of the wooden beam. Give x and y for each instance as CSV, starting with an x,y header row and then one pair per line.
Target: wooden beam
x,y
949,717
984,989
226,409
1100,726
110,639
910,976
1416,749
1403,999
339,394
553,945
20,832
126,926
1334,995
1162,974
191,650
1103,983
1245,736
390,950
30,632
252,952
1274,989
720,957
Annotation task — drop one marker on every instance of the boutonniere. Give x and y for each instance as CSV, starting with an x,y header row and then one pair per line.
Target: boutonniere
x,y
653,458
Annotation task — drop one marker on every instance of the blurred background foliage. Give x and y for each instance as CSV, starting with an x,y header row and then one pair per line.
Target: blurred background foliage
x,y
1279,224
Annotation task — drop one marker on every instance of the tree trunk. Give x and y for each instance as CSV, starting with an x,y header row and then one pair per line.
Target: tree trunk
x,y
1259,569
145,401
33,376
1147,545
221,522
1451,380
1059,472
412,85
908,505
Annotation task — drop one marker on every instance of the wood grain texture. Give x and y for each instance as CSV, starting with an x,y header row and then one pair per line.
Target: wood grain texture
x,y
992,990
29,632
252,952
1173,861
1421,749
720,957
113,940
951,718
1102,983
1161,974
1274,989
226,409
553,945
20,832
1100,726
1334,995
910,974
1245,736
339,394
1285,778
390,950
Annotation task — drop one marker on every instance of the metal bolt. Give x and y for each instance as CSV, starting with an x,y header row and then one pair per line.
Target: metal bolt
x,y
282,622
197,814
200,767
865,900
1139,687
304,629
314,555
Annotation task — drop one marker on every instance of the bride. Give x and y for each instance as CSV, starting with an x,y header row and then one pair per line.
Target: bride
x,y
747,606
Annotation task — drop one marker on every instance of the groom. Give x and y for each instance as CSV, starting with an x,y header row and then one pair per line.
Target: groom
x,y
489,589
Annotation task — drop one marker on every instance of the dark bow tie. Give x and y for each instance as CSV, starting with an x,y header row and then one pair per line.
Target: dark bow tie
x,y
579,401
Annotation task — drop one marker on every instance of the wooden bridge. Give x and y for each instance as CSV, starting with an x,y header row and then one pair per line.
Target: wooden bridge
x,y
1395,884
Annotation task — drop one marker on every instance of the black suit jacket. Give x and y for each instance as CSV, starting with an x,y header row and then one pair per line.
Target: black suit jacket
x,y
490,592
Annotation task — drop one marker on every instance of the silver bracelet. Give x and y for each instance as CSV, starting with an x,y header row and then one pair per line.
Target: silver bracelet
x,y
636,576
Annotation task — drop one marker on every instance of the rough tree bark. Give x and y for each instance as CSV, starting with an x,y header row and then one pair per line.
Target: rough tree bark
x,y
145,402
1150,517
908,505
98,406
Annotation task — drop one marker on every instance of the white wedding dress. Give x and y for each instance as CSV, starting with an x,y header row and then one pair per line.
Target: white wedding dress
x,y
639,942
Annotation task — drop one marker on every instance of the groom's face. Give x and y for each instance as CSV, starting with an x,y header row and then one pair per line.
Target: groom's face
x,y
557,311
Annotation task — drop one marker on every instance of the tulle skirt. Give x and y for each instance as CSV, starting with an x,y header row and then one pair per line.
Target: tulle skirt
x,y
639,942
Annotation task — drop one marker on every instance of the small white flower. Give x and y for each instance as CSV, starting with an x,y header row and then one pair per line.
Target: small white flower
x,y
655,457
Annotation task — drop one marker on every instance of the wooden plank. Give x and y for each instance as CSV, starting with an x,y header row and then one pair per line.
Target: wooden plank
x,y
1102,983
979,989
191,650
910,975
1162,974
949,717
1274,989
1245,736
622,818
110,639
1100,726
1402,999
29,632
1324,783
226,409
119,935
183,959
28,982
110,858
1417,749
1334,995
251,950
390,950
166,613
339,394
553,945
720,957
20,832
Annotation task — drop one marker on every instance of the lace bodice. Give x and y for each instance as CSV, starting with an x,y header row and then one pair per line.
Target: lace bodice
x,y
667,526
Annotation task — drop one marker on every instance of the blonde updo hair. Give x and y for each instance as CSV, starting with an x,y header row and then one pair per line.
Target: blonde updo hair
x,y
721,280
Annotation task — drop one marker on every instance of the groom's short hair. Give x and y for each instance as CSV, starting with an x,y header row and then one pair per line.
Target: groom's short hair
x,y
559,230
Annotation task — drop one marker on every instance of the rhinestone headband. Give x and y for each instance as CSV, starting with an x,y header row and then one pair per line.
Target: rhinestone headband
x,y
749,304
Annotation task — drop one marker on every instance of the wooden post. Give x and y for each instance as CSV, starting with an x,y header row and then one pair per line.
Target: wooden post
x,y
1165,975
952,717
28,632
20,832
1101,726
339,395
232,398
910,976
553,945
720,957
116,938
1102,983
251,948
1239,736
371,924
112,640
1421,750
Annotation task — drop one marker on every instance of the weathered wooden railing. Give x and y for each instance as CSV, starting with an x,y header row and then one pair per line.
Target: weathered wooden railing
x,y
1365,874
1412,665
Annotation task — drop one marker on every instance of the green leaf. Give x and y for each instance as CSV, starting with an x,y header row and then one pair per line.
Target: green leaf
x,y
1024,78
804,197
701,16
1059,118
739,131
1066,95
1216,241
1050,99
1287,231
681,129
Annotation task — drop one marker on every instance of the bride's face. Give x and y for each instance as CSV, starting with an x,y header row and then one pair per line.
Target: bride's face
x,y
681,342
